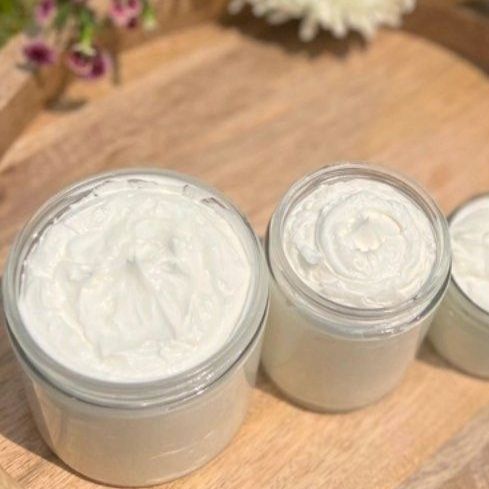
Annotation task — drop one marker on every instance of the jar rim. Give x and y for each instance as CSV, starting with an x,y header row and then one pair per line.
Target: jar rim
x,y
479,309
139,393
364,322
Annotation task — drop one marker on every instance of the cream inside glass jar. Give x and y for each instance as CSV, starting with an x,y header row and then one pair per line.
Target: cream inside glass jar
x,y
135,302
460,331
360,259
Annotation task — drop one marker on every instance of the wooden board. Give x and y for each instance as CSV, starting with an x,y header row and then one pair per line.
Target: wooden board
x,y
249,110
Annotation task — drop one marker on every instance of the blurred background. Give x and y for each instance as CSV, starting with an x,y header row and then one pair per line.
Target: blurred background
x,y
249,96
14,16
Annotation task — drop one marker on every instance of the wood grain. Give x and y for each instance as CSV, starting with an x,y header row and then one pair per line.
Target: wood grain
x,y
6,482
461,463
250,110
457,27
23,93
456,24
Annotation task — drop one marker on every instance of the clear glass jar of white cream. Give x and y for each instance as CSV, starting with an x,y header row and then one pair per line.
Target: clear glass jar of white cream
x,y
135,302
460,330
360,259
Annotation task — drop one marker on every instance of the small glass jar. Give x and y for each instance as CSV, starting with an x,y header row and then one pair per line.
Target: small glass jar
x,y
460,331
328,356
139,433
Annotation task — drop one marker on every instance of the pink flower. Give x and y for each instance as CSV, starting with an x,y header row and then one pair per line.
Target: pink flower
x,y
134,7
38,53
125,13
89,66
44,12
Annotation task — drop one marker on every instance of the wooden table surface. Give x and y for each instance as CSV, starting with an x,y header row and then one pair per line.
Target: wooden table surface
x,y
249,110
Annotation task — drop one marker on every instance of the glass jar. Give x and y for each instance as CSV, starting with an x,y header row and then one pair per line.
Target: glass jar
x,y
460,331
139,433
328,356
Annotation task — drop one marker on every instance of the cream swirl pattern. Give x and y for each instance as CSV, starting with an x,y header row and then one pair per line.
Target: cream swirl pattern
x,y
138,280
360,243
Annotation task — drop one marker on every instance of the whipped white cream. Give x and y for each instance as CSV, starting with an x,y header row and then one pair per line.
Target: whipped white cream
x,y
469,232
360,243
139,280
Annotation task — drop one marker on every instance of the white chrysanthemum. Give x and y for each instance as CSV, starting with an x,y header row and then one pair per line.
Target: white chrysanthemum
x,y
337,16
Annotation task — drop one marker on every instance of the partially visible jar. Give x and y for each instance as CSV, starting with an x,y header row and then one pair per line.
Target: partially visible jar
x,y
139,432
460,331
326,355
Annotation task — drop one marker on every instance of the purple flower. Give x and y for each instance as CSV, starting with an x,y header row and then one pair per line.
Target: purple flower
x,y
125,13
44,12
118,13
134,7
38,53
89,66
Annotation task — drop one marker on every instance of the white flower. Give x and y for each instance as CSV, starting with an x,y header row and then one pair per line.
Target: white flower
x,y
337,16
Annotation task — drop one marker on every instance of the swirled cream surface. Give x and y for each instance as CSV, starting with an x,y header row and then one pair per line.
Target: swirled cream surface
x,y
360,243
469,232
139,280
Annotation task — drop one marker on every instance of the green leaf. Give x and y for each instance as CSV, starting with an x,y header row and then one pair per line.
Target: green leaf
x,y
14,16
62,16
